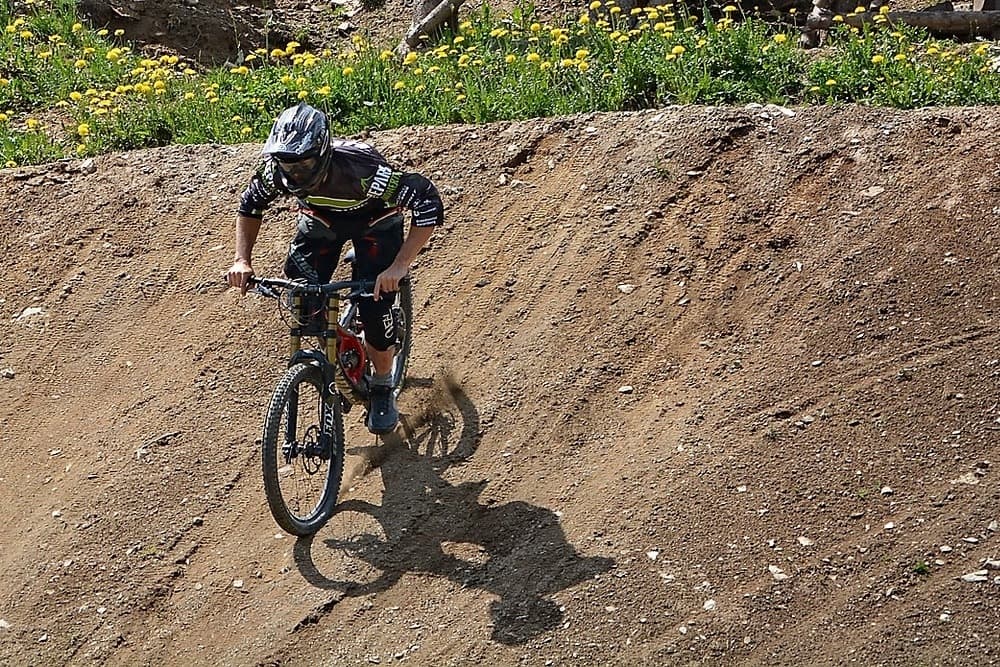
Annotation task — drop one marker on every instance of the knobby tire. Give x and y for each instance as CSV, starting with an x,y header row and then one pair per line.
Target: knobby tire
x,y
309,377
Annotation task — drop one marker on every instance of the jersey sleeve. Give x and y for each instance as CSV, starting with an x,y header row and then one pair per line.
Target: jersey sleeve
x,y
261,191
417,193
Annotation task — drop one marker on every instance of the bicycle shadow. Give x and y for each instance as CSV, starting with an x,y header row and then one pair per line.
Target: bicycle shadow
x,y
520,553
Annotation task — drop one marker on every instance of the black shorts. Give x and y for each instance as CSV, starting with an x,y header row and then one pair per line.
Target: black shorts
x,y
315,251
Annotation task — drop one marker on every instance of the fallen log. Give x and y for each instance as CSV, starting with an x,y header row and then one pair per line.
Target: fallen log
x,y
445,10
972,24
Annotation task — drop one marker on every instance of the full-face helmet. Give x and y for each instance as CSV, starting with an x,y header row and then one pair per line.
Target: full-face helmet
x,y
299,143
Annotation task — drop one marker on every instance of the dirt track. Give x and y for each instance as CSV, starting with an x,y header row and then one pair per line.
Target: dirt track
x,y
805,310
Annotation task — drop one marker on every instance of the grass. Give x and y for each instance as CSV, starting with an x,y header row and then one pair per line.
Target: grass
x,y
71,89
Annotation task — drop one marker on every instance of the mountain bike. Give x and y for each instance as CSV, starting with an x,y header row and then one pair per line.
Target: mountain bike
x,y
303,443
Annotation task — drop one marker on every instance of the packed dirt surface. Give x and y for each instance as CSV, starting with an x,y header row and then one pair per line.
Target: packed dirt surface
x,y
689,385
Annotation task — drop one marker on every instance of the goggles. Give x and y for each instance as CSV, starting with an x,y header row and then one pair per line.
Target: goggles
x,y
299,169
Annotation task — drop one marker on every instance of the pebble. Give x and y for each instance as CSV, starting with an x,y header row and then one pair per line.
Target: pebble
x,y
652,555
625,389
977,576
7,373
709,605
4,624
946,549
945,616
805,541
237,583
992,564
777,573
890,525
886,491
626,288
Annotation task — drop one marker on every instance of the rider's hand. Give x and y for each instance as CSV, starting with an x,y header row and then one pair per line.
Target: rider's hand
x,y
388,280
239,275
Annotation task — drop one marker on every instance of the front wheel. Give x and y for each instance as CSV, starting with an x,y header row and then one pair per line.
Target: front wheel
x,y
302,451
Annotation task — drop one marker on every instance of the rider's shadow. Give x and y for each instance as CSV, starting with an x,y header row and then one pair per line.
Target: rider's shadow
x,y
521,553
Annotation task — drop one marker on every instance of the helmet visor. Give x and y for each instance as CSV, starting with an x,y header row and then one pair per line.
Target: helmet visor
x,y
300,171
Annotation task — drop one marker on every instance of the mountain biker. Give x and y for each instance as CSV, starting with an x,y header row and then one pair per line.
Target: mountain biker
x,y
346,191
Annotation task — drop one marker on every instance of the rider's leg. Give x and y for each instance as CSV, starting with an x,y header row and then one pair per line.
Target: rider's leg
x,y
375,251
312,256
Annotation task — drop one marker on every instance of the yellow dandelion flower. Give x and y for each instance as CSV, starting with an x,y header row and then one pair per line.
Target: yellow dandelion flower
x,y
324,90
459,98
26,34
535,27
385,55
463,60
347,71
277,53
510,58
583,66
303,94
780,38
81,149
77,27
419,89
189,95
878,60
246,130
80,63
9,164
899,57
567,62
729,9
831,82
545,65
3,117
595,5
83,129
32,123
581,54
584,19
189,72
458,40
533,57
410,58
815,89
103,32
678,50
114,55
159,85
615,10
291,46
119,32
399,85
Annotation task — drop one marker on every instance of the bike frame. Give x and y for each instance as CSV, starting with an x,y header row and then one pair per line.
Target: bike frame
x,y
338,378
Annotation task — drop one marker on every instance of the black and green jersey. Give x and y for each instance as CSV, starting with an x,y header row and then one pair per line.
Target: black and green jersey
x,y
360,187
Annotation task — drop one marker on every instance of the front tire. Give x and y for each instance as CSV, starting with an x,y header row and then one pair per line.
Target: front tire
x,y
302,451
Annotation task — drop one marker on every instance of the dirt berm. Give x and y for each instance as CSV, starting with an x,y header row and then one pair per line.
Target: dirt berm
x,y
690,385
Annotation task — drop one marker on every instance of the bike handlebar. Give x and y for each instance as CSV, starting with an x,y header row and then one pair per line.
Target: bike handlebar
x,y
356,287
